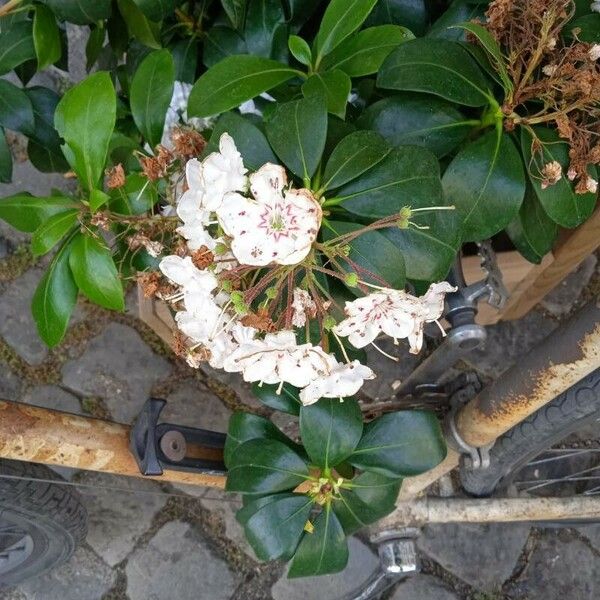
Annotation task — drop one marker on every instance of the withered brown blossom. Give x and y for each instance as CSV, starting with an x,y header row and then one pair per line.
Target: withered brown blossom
x,y
115,177
259,320
203,257
561,77
155,167
187,143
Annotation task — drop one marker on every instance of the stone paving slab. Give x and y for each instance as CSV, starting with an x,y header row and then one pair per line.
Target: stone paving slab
x,y
423,587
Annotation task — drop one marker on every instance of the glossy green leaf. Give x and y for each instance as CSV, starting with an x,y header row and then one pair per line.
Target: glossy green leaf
x,y
250,504
263,466
364,53
532,231
137,196
95,272
322,552
353,156
330,430
249,139
401,444
275,529
588,27
300,49
334,86
150,94
297,132
55,298
46,37
185,56
85,119
81,13
236,11
426,121
299,11
412,14
408,176
234,80
341,19
288,401
437,67
486,183
6,162
16,45
245,426
16,112
221,42
141,28
262,20
385,267
27,213
157,10
94,46
491,46
97,199
560,201
54,229
459,11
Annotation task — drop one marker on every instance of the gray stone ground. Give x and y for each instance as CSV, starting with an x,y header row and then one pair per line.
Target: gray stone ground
x,y
148,541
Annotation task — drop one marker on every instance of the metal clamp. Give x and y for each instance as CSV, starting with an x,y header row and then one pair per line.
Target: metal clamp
x,y
476,457
157,446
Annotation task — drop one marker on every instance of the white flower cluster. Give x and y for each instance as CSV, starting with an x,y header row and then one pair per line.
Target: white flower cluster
x,y
265,222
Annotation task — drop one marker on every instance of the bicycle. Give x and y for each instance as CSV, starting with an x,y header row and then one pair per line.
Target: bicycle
x,y
503,439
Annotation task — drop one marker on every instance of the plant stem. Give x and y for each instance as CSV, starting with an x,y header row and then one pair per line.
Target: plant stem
x,y
9,6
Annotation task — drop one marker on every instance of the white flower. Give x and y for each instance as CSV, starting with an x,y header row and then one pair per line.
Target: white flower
x,y
342,381
182,271
222,172
591,185
595,7
393,312
199,324
549,70
301,305
277,227
594,52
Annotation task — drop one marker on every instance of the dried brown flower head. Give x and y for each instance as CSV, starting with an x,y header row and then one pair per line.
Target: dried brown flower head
x,y
203,258
187,143
115,177
259,320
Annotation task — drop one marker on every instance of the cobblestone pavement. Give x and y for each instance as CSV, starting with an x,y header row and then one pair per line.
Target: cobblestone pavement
x,y
149,541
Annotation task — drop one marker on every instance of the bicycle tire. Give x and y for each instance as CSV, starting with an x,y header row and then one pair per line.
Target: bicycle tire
x,y
574,409
51,515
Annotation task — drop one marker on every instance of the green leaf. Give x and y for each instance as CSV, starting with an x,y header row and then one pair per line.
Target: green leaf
x,y
412,14
437,67
221,42
401,444
334,86
532,231
94,46
492,47
54,229
380,261
353,156
560,201
236,11
157,10
341,19
364,53
407,176
95,272
27,213
486,183
426,121
330,430
275,529
297,132
263,466
288,401
185,56
81,13
55,298
249,139
299,11
250,504
459,11
137,196
300,49
245,426
142,29
5,159
46,37
233,81
85,119
16,46
16,112
322,552
150,94
588,26
97,199
262,21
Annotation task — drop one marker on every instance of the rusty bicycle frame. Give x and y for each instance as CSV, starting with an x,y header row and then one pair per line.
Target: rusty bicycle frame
x,y
51,437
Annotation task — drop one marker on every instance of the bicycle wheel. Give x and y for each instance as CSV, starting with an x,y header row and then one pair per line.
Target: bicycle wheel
x,y
554,452
41,523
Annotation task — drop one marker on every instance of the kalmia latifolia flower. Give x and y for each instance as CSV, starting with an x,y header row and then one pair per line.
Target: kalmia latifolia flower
x,y
244,288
